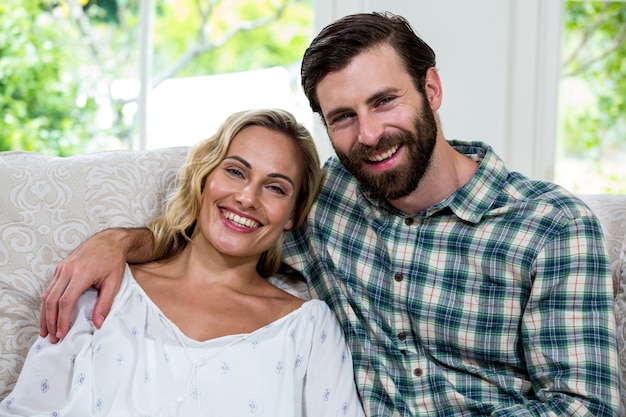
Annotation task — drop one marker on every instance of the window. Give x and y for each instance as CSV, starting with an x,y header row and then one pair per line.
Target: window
x,y
591,140
71,71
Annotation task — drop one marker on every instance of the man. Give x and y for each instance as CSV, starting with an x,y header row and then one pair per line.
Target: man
x,y
463,288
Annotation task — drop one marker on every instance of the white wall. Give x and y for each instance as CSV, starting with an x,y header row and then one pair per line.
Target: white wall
x,y
498,61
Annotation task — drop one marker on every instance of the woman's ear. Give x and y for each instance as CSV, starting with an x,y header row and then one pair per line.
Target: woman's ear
x,y
290,221
433,89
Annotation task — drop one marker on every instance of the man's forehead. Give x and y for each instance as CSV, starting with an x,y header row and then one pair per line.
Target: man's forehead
x,y
367,76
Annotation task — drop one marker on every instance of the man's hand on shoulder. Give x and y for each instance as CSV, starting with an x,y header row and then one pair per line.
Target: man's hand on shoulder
x,y
98,262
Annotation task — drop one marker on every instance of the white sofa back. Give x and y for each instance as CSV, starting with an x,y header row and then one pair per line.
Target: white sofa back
x,y
49,205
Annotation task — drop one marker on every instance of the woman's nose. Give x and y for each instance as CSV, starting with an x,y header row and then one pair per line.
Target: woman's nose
x,y
247,196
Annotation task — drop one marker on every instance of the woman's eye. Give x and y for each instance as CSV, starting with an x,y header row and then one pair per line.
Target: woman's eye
x,y
277,189
235,172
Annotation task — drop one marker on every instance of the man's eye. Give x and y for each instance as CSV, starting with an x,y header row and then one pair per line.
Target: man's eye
x,y
385,100
341,118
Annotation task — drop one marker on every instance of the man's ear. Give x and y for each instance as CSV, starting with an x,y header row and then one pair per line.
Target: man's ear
x,y
433,89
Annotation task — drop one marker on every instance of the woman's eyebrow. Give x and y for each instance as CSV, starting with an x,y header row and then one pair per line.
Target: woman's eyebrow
x,y
286,178
240,159
272,175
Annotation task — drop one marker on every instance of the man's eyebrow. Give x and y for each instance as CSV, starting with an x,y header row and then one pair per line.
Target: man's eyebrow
x,y
371,99
382,93
337,111
272,175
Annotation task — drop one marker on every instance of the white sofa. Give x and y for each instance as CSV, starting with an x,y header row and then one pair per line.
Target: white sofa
x,y
49,205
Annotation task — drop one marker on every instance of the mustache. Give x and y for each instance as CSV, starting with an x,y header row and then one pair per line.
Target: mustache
x,y
361,151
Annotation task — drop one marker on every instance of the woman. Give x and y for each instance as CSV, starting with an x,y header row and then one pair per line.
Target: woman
x,y
201,331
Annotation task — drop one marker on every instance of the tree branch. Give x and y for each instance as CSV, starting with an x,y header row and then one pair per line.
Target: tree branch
x,y
589,62
204,45
84,26
586,36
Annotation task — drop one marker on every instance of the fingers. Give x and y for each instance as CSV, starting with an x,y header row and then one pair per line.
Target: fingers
x,y
94,262
57,303
68,283
48,310
66,303
104,302
44,329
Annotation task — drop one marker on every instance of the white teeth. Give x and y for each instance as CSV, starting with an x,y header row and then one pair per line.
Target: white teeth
x,y
240,221
384,155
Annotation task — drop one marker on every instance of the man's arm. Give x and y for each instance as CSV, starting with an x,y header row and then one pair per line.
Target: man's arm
x,y
98,262
569,341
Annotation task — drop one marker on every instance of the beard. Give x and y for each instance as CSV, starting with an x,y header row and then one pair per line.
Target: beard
x,y
403,179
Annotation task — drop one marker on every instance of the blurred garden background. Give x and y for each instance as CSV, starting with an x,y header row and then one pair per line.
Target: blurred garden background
x,y
71,76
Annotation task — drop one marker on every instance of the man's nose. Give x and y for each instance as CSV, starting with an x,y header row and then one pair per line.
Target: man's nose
x,y
370,130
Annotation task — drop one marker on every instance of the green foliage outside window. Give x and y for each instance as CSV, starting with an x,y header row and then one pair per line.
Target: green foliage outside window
x,y
59,60
593,122
43,106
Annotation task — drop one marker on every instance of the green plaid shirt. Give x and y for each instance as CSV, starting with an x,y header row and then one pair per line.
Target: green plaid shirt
x,y
496,301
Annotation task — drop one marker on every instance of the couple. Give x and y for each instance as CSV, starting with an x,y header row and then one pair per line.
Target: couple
x,y
462,288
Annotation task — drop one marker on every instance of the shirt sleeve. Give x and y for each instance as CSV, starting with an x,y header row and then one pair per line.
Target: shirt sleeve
x,y
297,247
45,384
329,388
568,328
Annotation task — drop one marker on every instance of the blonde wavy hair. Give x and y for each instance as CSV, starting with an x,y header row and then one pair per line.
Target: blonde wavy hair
x,y
173,229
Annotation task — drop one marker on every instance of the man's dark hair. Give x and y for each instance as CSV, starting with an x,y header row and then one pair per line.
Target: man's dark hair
x,y
338,43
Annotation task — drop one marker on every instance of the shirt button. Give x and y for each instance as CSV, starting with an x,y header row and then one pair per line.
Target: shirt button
x,y
409,221
402,336
398,277
417,372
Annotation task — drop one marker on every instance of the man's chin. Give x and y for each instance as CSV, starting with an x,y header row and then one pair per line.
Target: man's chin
x,y
375,188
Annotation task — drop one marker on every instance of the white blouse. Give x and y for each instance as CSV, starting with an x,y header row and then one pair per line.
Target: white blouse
x,y
140,364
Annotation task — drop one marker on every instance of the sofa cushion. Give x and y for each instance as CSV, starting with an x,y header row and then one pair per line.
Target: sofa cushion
x,y
49,206
611,211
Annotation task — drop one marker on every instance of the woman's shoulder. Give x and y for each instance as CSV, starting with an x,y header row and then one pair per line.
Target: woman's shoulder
x,y
317,305
319,311
128,286
291,282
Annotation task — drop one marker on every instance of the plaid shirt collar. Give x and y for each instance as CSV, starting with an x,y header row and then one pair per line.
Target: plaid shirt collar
x,y
469,203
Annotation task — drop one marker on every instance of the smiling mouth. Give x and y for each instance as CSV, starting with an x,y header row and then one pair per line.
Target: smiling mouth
x,y
240,221
385,155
